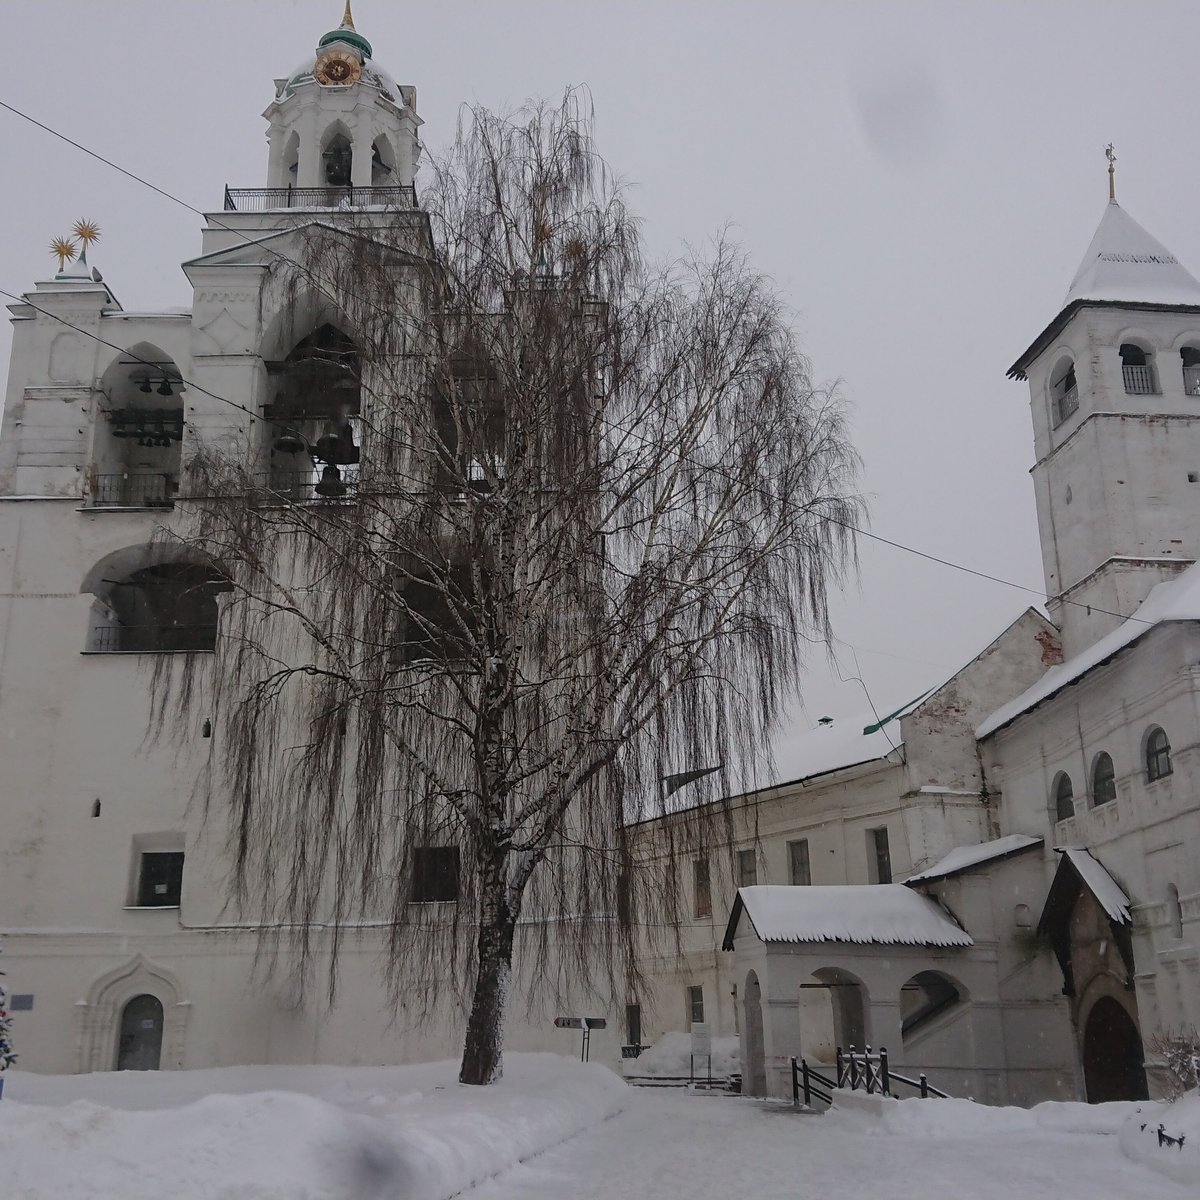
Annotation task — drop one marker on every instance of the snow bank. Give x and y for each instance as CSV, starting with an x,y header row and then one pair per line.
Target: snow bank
x,y
670,1056
1140,1138
290,1133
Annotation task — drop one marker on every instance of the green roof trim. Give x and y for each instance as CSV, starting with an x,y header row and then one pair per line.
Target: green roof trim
x,y
867,729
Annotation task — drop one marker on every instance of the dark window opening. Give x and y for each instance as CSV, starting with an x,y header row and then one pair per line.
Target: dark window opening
x,y
1158,755
695,1004
160,880
338,158
1104,781
1137,371
701,889
879,863
1064,392
1064,798
434,874
166,608
469,427
747,868
1190,358
441,619
799,870
633,1024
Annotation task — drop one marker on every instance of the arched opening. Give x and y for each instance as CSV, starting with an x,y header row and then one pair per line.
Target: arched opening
x,y
291,160
139,1043
1113,1067
314,417
832,1014
151,601
1157,754
1064,797
1174,913
1064,391
337,157
925,997
1104,780
137,448
383,163
1190,359
754,1063
1137,369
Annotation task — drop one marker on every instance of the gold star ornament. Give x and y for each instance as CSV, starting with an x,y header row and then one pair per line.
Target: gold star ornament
x,y
87,232
65,249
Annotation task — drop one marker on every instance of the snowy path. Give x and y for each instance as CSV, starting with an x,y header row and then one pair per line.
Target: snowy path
x,y
670,1144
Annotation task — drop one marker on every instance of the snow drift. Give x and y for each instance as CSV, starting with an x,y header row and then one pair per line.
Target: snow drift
x,y
1141,1142
290,1133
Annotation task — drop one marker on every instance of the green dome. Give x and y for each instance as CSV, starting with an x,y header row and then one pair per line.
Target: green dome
x,y
350,36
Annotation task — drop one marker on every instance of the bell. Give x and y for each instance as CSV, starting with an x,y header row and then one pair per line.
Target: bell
x,y
289,442
145,386
331,482
164,388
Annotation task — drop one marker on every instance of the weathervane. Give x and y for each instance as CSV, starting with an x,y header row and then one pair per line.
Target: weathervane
x,y
65,249
1112,171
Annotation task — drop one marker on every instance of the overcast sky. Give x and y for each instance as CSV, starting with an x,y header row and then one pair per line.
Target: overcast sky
x,y
921,180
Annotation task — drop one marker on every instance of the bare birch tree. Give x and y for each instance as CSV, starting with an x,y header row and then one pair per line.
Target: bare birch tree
x,y
574,523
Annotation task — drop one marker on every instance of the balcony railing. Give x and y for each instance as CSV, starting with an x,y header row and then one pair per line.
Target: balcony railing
x,y
151,639
1191,381
132,490
1065,405
1139,380
302,486
265,199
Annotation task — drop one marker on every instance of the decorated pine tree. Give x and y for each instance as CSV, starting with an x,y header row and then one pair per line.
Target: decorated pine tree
x,y
7,1055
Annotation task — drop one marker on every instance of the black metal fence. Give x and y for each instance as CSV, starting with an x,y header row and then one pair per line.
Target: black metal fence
x,y
265,199
857,1070
151,639
125,489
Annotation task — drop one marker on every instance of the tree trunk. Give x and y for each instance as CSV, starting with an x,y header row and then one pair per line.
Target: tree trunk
x,y
483,1053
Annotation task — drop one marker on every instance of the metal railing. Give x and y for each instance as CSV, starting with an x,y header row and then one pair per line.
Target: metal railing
x,y
1065,405
808,1082
265,199
1191,381
301,486
864,1071
1139,380
132,490
151,639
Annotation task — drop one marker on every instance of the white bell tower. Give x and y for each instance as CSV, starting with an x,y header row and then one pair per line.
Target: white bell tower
x,y
340,121
1114,385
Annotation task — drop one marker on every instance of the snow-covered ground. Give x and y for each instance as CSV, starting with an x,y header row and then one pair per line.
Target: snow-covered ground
x,y
553,1130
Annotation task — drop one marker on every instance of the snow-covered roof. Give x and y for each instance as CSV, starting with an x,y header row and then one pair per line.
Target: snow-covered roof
x,y
1176,599
866,914
1100,883
1124,263
844,743
963,858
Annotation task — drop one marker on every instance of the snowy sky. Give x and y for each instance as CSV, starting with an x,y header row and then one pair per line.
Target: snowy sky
x,y
920,178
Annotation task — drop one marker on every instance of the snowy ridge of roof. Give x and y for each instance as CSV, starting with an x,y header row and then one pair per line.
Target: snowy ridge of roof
x,y
962,858
1173,600
1100,883
1124,263
866,914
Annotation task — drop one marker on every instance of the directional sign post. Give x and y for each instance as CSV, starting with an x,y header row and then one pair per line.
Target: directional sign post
x,y
587,1024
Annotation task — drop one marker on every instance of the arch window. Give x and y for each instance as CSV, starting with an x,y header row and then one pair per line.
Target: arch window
x,y
1190,359
1104,780
1174,912
1064,797
1158,754
337,159
1064,391
383,163
1137,370
925,996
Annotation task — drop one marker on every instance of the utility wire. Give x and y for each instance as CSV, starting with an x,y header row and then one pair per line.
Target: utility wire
x,y
945,562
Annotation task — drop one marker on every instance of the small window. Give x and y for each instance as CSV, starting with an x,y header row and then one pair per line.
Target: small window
x,y
1174,912
1158,755
799,872
1064,797
1190,357
633,1024
1137,371
695,1003
1064,392
1104,781
160,879
701,889
879,856
747,868
435,874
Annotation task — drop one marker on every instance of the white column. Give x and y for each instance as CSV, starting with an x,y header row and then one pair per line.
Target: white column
x,y
404,153
310,173
360,161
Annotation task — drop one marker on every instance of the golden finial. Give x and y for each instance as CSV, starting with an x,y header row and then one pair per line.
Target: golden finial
x,y
348,17
87,232
65,249
1112,171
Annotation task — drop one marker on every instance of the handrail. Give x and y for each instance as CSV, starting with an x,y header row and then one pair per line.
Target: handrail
x,y
922,1085
265,199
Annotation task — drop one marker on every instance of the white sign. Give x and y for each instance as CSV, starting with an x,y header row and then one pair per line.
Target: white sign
x,y
701,1039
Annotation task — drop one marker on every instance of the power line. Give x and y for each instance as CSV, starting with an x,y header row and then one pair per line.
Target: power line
x,y
945,562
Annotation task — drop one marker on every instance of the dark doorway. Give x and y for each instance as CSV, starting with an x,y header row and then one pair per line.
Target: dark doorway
x,y
1112,1055
633,1024
140,1044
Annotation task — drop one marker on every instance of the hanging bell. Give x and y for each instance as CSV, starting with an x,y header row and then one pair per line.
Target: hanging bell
x,y
331,482
164,388
289,442
145,386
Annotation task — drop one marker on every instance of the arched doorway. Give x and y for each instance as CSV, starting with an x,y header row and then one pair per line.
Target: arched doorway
x,y
1112,1054
139,1047
832,1013
754,1063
